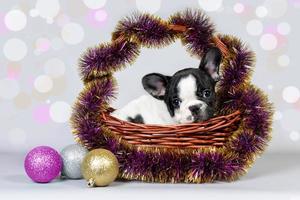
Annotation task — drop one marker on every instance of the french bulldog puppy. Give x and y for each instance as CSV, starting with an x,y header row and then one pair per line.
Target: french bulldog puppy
x,y
186,97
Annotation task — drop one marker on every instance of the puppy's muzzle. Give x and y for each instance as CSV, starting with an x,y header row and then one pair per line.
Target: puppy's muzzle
x,y
195,109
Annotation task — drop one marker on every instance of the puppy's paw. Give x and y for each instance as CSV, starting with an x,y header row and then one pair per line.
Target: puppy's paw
x,y
138,119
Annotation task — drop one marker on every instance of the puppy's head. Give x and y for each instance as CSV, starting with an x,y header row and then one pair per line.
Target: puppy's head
x,y
190,93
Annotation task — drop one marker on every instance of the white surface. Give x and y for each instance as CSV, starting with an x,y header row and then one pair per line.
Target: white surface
x,y
273,176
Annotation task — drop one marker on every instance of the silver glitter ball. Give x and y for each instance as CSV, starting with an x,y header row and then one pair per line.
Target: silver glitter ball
x,y
72,156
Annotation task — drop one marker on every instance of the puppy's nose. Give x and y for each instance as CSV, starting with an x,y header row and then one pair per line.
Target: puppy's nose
x,y
195,108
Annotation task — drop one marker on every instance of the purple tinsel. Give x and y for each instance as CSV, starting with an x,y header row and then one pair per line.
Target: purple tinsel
x,y
200,30
235,93
147,29
239,69
106,58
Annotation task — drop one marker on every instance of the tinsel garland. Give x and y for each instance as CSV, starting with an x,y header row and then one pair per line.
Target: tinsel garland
x,y
235,92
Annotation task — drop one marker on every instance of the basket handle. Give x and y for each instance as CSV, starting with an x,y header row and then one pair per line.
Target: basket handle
x,y
215,39
181,28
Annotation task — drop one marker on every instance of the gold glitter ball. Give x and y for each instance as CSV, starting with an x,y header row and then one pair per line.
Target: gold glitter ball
x,y
100,167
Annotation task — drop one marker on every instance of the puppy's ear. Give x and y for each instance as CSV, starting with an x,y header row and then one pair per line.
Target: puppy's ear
x,y
156,84
211,61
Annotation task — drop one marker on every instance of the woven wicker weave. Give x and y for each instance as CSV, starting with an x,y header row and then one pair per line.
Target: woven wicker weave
x,y
213,132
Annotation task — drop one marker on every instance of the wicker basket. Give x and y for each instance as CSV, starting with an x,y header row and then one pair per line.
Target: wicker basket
x,y
221,148
213,132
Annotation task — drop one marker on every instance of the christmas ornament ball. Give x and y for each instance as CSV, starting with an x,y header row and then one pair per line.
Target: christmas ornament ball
x,y
72,156
100,167
43,164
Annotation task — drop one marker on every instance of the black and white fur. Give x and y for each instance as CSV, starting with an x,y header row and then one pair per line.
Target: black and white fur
x,y
187,96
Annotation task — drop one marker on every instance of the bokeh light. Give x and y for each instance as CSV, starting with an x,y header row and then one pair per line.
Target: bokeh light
x,y
43,83
100,15
294,136
13,74
22,100
97,18
261,11
268,42
210,5
46,9
15,49
13,70
291,94
148,6
15,20
283,28
60,111
3,28
283,60
239,8
295,3
42,44
41,114
94,4
72,33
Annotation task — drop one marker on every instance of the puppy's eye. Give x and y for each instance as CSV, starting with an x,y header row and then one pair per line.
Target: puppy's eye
x,y
206,93
176,102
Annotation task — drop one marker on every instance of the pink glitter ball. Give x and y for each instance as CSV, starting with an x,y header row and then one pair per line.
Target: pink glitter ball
x,y
43,164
